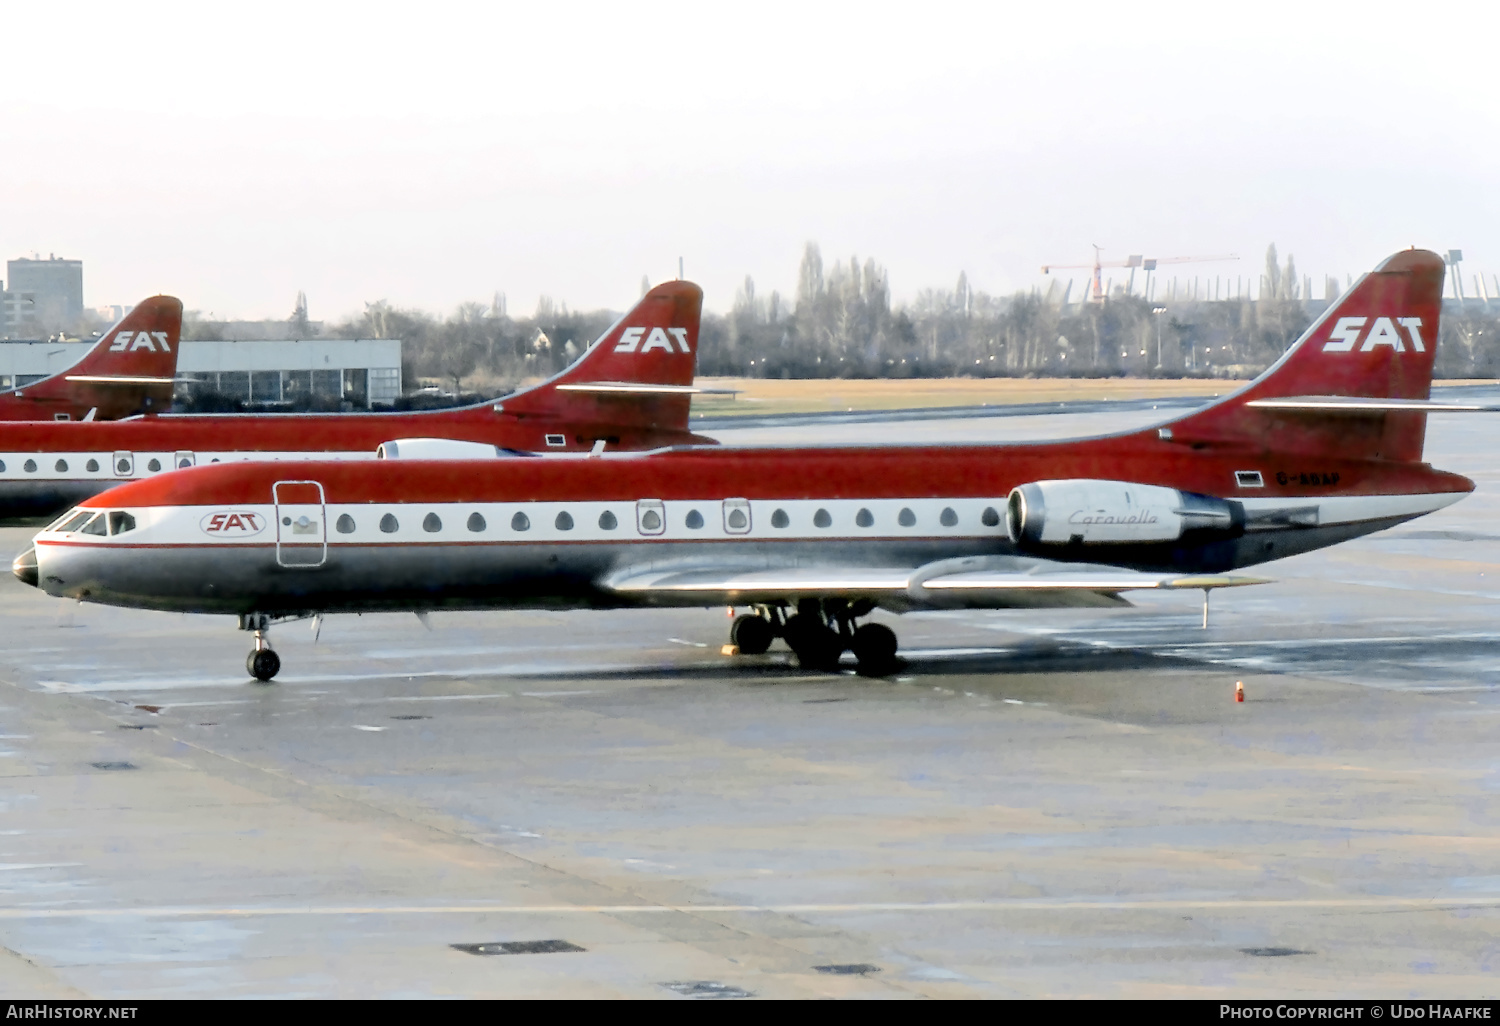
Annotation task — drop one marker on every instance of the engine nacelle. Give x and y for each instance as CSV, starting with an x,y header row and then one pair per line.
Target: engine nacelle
x,y
439,449
1091,512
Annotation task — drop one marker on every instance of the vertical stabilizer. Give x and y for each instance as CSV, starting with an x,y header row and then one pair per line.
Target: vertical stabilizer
x,y
639,374
1377,342
130,370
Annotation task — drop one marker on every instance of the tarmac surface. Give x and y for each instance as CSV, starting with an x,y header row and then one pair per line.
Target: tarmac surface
x,y
1041,803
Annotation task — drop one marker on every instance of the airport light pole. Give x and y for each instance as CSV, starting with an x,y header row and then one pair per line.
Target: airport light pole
x,y
1157,311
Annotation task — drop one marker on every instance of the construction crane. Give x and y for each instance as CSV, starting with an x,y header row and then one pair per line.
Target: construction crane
x,y
1148,264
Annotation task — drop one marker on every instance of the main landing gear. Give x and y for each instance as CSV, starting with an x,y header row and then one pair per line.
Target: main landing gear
x,y
819,632
262,663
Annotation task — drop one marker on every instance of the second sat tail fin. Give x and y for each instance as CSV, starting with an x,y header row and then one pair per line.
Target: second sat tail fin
x,y
639,374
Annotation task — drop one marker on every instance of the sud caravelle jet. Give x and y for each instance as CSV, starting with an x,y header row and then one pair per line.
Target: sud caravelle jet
x,y
1323,447
630,390
130,370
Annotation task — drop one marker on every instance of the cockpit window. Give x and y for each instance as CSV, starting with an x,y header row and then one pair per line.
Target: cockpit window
x,y
98,525
120,522
71,520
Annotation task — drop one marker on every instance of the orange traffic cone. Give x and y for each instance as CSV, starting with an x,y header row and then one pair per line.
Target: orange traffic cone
x,y
1239,691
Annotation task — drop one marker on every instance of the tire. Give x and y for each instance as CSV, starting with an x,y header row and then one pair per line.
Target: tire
x,y
263,665
875,648
817,647
753,634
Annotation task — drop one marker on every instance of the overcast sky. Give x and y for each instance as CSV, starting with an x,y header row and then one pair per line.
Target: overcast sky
x,y
430,153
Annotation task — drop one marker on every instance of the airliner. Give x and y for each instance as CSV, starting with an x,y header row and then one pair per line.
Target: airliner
x,y
1324,446
129,371
630,390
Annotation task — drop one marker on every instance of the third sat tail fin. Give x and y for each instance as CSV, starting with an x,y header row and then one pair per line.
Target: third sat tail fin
x,y
1355,383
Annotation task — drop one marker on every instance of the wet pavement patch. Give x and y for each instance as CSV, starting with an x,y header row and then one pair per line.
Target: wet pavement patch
x,y
536,947
149,708
137,726
113,765
1274,952
850,969
707,989
822,701
412,716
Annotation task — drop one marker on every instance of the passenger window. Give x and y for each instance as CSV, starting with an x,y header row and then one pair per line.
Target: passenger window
x,y
608,521
61,466
564,522
2,466
906,518
520,522
154,466
651,521
694,520
29,466
990,517
737,520
92,466
120,522
388,524
780,519
344,524
948,517
99,525
476,523
432,523
864,518
822,519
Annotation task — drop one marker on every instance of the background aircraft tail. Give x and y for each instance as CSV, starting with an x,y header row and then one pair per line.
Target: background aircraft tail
x,y
639,374
1353,385
129,371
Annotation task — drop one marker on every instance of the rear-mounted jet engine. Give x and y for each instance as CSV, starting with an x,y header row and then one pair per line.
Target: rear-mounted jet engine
x,y
1044,514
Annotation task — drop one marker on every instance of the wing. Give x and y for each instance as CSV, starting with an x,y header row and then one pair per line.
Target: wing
x,y
983,582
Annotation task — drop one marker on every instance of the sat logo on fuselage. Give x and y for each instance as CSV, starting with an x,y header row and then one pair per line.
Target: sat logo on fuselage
x,y
630,341
147,340
1382,333
233,524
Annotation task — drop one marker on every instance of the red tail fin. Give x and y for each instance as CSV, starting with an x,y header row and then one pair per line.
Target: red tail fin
x,y
1377,342
638,374
129,371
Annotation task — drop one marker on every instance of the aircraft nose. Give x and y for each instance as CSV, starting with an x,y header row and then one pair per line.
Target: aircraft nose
x,y
24,567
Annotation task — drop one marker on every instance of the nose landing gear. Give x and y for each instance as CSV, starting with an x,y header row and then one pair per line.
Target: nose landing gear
x,y
262,663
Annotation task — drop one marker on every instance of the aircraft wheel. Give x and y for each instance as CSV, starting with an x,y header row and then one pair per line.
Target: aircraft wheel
x,y
263,664
817,647
874,646
753,634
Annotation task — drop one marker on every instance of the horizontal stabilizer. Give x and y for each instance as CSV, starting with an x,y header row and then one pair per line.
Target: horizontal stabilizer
x,y
122,379
642,388
1355,404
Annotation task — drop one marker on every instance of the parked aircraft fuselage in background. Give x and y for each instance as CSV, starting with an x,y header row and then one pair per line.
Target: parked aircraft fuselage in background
x,y
630,390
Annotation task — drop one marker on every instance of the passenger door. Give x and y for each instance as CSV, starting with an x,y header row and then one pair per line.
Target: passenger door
x,y
301,532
